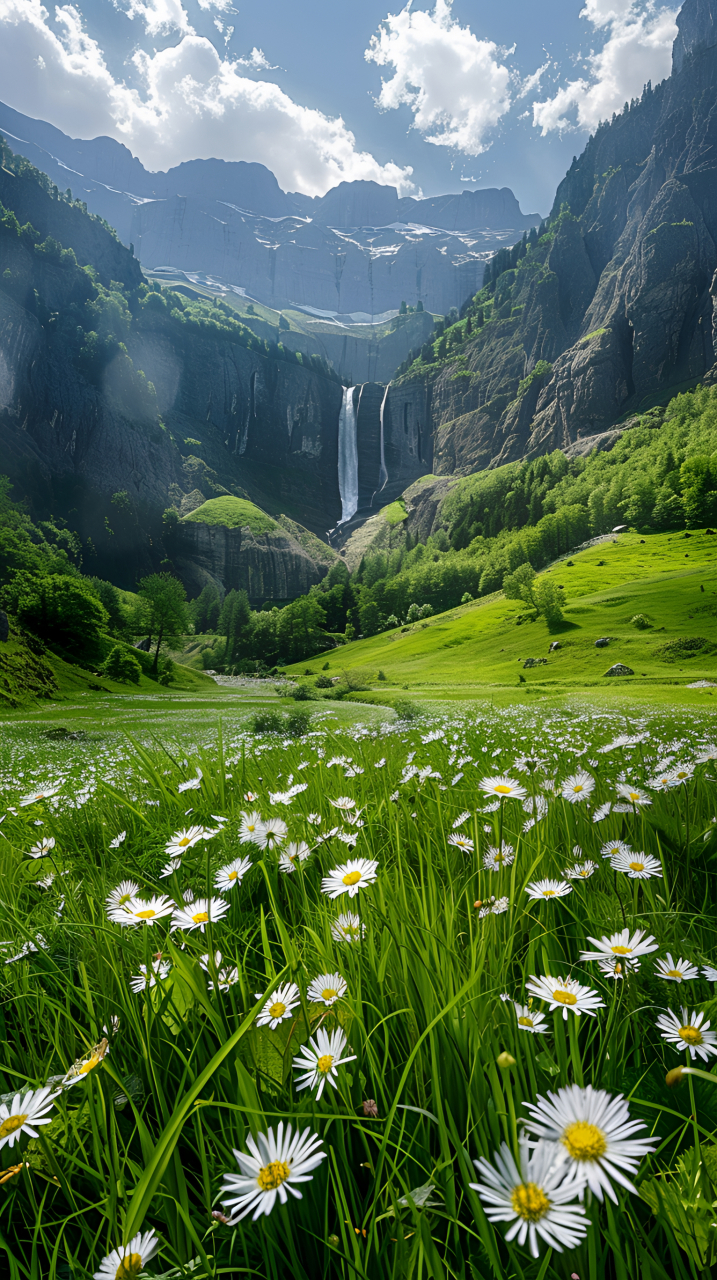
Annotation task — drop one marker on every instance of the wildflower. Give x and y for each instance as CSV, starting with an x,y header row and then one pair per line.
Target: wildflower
x,y
461,842
233,873
595,1133
462,817
24,1112
139,911
123,894
691,1033
272,833
495,859
197,914
536,806
319,1060
314,818
536,1196
621,946
709,972
26,949
273,1166
251,828
676,970
613,848
632,794
193,784
581,870
84,1065
150,976
638,866
351,876
343,802
169,869
130,1259
492,907
566,994
681,773
548,889
279,1005
577,787
183,840
504,788
42,793
294,854
529,1020
43,847
118,840
226,976
602,812
611,967
326,989
348,928
707,753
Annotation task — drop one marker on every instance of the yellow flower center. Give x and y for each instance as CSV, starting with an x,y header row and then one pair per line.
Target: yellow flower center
x,y
565,997
523,1021
130,1266
584,1141
529,1201
201,917
548,893
499,857
634,795
325,1063
125,897
146,915
11,1125
584,874
502,790
690,1035
272,1175
674,973
682,775
579,787
89,1065
352,877
184,842
621,951
277,1010
328,993
232,875
637,866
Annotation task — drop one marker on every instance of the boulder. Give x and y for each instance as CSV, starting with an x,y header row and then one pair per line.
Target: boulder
x,y
144,645
535,662
602,643
619,669
555,645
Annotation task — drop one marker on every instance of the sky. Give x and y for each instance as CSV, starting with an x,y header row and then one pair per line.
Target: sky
x,y
432,96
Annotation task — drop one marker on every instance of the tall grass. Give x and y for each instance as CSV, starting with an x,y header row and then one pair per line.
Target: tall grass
x,y
143,1139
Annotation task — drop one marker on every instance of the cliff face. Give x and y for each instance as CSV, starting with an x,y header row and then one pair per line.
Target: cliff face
x,y
617,298
268,566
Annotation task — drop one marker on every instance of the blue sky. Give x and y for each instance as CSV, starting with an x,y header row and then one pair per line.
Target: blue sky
x,y
434,96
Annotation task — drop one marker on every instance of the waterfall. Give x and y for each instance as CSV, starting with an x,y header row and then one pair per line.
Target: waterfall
x,y
382,472
348,456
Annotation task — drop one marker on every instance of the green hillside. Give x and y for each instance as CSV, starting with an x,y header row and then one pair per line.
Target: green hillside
x,y
235,513
670,579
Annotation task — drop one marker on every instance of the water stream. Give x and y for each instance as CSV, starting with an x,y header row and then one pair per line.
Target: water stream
x,y
348,456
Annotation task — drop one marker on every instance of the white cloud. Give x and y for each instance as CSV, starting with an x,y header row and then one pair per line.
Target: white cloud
x,y
159,16
257,61
193,104
453,82
638,48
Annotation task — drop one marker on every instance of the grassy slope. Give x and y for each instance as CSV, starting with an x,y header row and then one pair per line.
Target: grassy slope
x,y
479,646
235,513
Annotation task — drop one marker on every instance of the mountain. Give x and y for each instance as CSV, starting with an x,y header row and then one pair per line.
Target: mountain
x,y
611,309
350,251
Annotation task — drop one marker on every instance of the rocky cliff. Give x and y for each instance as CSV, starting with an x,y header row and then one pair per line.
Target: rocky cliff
x,y
268,566
612,310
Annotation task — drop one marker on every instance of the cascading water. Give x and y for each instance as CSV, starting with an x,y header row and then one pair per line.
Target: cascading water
x,y
382,472
348,456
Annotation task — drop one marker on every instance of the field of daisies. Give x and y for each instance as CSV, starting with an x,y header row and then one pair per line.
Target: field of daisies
x,y
423,1000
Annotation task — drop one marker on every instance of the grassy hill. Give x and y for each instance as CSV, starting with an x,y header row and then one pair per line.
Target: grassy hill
x,y
669,578
235,513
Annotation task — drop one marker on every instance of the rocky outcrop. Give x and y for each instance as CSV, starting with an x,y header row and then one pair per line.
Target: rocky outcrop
x,y
268,566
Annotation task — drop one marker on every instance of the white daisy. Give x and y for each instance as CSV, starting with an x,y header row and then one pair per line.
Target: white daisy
x,y
42,793
577,787
343,802
613,848
141,911
251,827
691,1033
348,928
43,847
118,840
621,946
314,819
149,977
198,914
634,795
681,773
504,788
676,970
495,859
536,806
279,1005
530,1020
130,1259
171,867
604,810
83,1066
581,870
294,853
595,1135
709,972
273,1166
537,1197
707,753
123,894
462,817
461,842
226,975
638,866
25,1112
193,784
351,876
326,989
566,994
272,833
611,967
319,1060
227,877
548,889
183,840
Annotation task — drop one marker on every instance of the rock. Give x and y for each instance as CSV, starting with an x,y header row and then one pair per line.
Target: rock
x,y
4,627
535,662
602,643
619,669
268,566
143,645
555,645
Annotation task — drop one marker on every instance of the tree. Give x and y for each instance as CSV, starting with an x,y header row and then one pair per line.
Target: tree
x,y
370,619
234,621
164,602
206,609
109,596
549,601
519,585
63,611
121,665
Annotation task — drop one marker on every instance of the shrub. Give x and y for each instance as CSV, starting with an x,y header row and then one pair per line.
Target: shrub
x,y
405,709
267,722
301,693
391,622
323,682
297,722
640,621
122,666
414,613
381,675
466,598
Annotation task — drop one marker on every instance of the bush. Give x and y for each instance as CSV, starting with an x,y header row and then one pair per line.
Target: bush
x,y
122,666
466,598
405,709
267,722
301,693
414,613
166,672
323,682
640,621
62,611
381,675
391,621
297,722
